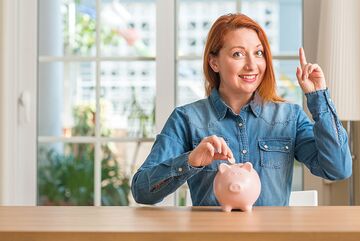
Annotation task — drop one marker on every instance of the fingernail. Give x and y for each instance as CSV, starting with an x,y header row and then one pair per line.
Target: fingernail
x,y
231,160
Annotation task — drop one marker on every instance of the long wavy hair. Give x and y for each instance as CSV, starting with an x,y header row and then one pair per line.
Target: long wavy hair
x,y
215,41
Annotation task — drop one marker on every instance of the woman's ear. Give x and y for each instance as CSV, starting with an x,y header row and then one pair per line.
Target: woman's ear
x,y
213,62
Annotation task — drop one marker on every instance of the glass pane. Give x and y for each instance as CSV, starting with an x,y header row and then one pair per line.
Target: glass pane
x,y
281,20
194,23
190,84
128,99
66,99
120,160
65,174
288,86
67,27
128,28
297,180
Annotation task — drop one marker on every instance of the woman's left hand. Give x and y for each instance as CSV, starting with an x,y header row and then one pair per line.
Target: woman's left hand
x,y
310,76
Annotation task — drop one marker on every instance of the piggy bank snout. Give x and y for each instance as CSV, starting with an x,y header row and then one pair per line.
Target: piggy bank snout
x,y
235,187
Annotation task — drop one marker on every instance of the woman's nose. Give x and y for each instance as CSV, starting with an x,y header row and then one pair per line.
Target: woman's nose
x,y
250,64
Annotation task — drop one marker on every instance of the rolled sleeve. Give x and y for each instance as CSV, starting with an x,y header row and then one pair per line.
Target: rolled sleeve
x,y
323,146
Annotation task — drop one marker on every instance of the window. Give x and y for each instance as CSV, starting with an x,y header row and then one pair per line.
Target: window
x,y
96,98
99,82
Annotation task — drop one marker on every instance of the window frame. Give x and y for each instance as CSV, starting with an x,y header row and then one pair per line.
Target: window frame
x,y
18,155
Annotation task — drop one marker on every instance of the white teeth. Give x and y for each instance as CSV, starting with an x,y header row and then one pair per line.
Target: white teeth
x,y
247,76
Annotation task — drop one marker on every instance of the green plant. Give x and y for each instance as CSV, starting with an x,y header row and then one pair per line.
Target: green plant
x,y
145,122
66,175
66,179
115,186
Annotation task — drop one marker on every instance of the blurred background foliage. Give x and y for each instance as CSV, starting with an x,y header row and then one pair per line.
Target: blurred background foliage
x,y
66,173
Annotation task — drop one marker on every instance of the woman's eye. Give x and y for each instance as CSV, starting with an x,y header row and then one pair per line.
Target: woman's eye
x,y
260,53
238,54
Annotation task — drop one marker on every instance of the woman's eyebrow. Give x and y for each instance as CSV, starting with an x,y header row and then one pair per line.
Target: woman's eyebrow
x,y
241,47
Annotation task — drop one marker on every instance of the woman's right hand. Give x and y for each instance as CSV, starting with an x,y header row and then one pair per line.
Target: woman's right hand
x,y
209,149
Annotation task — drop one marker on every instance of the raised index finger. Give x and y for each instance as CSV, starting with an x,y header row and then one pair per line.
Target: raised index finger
x,y
303,61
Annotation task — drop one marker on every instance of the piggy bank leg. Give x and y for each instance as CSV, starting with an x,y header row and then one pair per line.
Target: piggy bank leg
x,y
226,208
247,208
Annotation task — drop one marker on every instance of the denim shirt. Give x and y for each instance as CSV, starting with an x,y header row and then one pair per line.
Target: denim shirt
x,y
269,135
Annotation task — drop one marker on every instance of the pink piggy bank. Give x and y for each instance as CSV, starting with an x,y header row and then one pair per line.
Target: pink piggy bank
x,y
237,186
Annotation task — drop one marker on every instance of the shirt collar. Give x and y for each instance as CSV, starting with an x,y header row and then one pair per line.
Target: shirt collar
x,y
221,107
256,104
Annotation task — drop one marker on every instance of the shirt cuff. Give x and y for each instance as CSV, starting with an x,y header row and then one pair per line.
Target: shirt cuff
x,y
181,167
319,102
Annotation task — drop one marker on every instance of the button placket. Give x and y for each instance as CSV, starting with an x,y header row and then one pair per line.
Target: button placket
x,y
243,140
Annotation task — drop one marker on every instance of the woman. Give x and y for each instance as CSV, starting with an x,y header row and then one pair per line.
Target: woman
x,y
243,119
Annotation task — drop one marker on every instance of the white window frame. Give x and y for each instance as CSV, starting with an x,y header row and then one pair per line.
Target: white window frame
x,y
18,132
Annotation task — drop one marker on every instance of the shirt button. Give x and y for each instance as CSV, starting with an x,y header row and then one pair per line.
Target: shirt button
x,y
180,169
286,147
244,151
266,146
240,124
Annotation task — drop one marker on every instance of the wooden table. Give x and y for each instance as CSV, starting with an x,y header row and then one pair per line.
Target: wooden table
x,y
179,223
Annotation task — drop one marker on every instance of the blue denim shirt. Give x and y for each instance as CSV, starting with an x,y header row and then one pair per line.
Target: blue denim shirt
x,y
269,135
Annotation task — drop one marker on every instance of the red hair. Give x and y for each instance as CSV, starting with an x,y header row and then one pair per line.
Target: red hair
x,y
215,41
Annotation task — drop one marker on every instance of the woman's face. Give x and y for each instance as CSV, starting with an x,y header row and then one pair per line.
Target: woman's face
x,y
240,62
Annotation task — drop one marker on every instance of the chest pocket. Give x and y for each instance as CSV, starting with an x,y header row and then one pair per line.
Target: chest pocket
x,y
274,153
214,165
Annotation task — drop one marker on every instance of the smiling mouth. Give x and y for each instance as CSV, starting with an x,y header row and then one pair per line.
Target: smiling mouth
x,y
248,77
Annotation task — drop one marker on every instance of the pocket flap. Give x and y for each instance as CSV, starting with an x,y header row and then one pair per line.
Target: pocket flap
x,y
275,145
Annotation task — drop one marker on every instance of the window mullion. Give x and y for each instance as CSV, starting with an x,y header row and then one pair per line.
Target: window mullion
x,y
165,61
97,156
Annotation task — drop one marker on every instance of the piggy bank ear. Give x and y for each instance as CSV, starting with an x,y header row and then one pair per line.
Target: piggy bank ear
x,y
223,167
247,166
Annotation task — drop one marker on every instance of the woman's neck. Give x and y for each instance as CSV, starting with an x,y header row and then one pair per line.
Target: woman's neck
x,y
235,101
